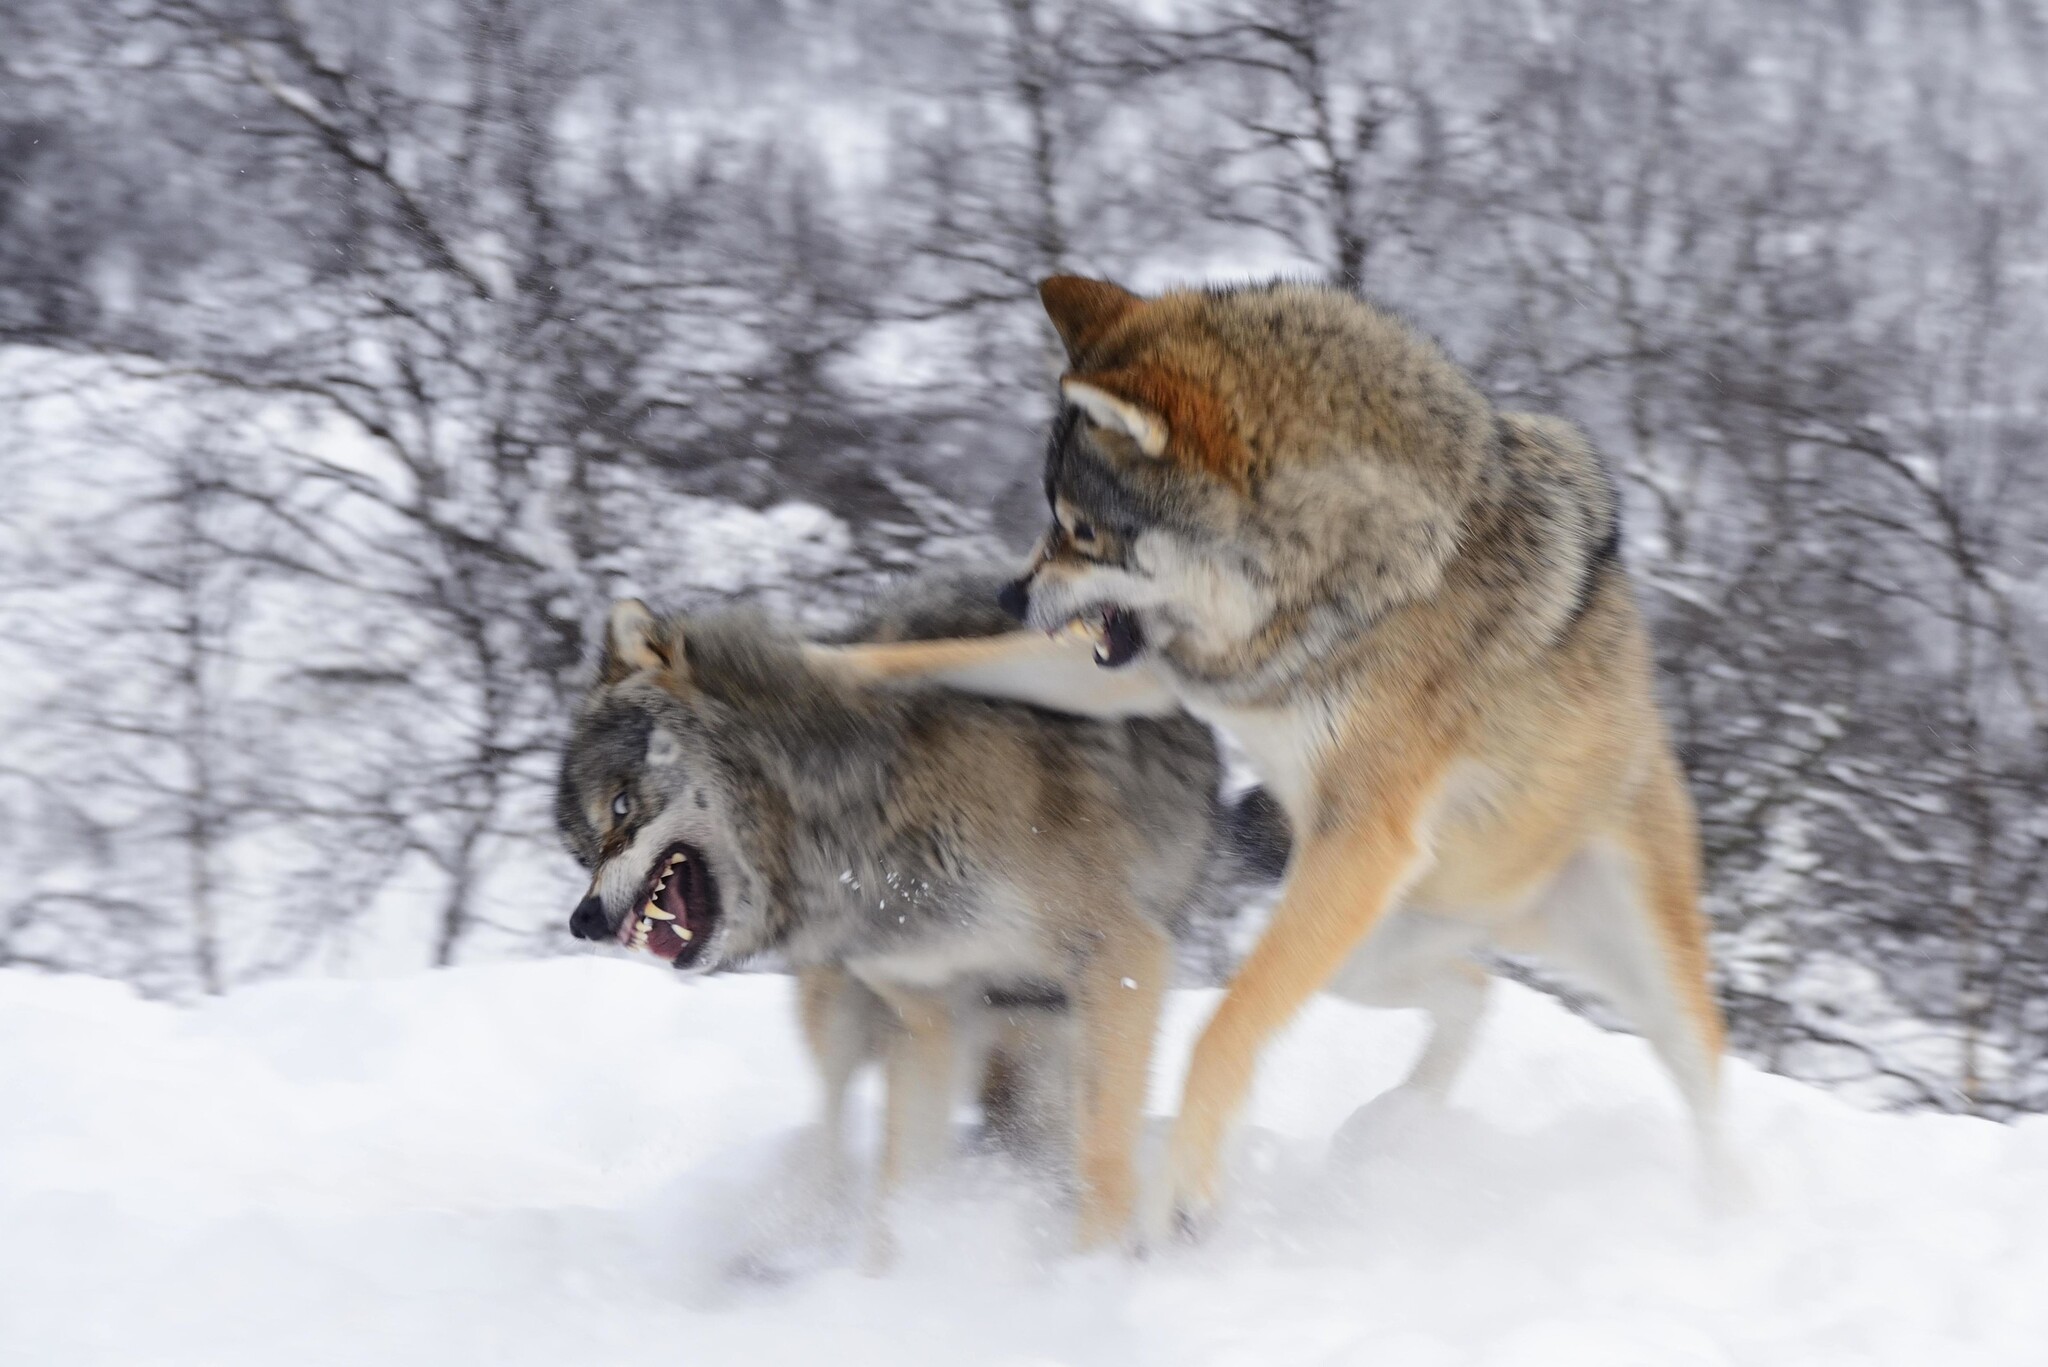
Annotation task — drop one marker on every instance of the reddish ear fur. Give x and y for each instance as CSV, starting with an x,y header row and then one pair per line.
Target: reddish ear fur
x,y
1199,428
1082,309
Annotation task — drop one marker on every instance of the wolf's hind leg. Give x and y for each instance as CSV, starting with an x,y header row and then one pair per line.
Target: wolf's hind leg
x,y
1025,1085
1419,960
1623,917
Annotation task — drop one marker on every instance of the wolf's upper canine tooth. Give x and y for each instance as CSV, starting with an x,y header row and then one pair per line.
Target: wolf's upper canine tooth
x,y
658,914
650,908
676,859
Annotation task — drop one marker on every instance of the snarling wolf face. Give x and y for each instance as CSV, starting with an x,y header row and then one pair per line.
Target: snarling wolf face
x,y
1245,472
1135,555
643,803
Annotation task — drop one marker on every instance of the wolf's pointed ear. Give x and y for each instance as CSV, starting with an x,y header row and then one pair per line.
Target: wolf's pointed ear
x,y
1167,413
1092,397
1082,309
634,640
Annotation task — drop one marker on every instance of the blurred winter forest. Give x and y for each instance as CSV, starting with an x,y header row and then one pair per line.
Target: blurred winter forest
x,y
352,356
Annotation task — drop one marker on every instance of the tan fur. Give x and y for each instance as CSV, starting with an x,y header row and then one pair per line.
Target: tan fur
x,y
1163,407
842,1036
922,1037
1119,995
1117,998
918,1070
1445,665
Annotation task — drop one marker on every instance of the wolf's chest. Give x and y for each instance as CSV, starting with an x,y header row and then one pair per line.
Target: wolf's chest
x,y
1000,942
1286,746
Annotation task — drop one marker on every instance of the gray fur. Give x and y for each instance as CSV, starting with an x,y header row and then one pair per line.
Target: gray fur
x,y
845,820
911,848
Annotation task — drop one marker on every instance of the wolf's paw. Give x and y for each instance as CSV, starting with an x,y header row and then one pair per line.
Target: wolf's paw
x,y
1387,1121
1189,1210
1179,1203
1105,1230
1192,1221
1168,1219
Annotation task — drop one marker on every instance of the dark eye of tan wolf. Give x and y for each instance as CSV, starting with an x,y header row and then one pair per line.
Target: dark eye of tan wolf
x,y
1084,531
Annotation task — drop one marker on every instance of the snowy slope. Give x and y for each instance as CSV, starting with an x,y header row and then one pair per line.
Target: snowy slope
x,y
551,1162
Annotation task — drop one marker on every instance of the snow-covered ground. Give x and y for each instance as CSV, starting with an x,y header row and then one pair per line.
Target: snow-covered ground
x,y
553,1162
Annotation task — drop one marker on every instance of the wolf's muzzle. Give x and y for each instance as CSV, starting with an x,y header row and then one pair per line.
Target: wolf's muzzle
x,y
588,921
1015,598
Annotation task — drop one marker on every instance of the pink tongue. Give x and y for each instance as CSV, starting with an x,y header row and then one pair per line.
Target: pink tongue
x,y
674,900
663,942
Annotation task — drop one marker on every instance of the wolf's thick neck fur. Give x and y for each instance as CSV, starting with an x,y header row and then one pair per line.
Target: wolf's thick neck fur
x,y
1357,504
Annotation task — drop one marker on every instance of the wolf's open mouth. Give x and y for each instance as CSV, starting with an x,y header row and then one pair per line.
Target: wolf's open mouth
x,y
677,909
1116,634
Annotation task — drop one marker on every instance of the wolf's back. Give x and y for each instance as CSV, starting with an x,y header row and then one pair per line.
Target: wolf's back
x,y
1173,765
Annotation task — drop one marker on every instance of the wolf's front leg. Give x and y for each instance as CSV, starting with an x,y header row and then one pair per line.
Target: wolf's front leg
x,y
917,1114
846,1027
1059,673
1342,884
1117,1002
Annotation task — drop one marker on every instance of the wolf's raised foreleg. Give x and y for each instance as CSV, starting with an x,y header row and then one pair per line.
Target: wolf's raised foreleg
x,y
1344,881
1024,666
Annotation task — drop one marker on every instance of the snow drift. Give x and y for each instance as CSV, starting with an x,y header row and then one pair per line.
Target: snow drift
x,y
556,1162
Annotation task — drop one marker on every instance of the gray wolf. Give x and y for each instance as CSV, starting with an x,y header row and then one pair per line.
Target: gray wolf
x,y
1284,510
731,798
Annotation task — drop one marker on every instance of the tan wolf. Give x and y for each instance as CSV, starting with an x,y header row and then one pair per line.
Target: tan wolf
x,y
1281,508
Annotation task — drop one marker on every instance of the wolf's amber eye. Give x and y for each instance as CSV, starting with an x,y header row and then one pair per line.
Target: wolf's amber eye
x,y
620,806
1084,531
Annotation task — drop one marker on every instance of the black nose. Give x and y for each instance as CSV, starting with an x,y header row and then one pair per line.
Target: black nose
x,y
1015,597
588,921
